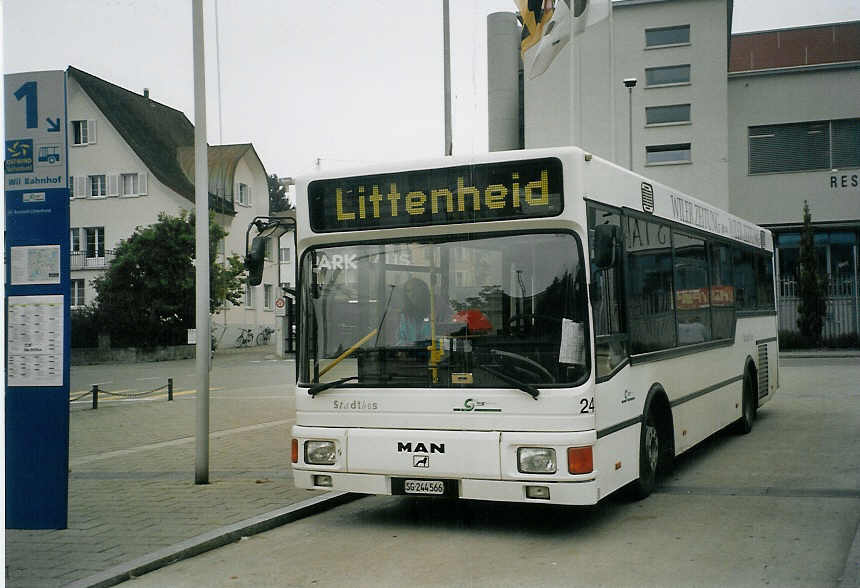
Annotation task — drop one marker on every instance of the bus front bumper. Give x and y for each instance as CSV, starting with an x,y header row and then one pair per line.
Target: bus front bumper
x,y
570,493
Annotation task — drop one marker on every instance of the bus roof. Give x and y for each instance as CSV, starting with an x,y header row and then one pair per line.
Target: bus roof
x,y
585,176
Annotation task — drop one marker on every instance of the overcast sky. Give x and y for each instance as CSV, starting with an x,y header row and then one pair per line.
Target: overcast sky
x,y
349,82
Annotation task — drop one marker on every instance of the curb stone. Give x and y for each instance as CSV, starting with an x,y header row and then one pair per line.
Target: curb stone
x,y
213,539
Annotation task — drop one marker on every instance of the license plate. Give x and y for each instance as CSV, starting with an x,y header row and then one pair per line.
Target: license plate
x,y
424,487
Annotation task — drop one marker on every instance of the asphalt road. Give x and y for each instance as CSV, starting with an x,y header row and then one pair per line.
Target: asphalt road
x,y
777,507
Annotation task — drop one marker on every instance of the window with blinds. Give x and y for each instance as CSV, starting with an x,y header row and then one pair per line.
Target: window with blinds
x,y
667,36
804,146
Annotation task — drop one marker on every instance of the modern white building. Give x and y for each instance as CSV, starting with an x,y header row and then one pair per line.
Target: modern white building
x,y
755,123
132,158
794,137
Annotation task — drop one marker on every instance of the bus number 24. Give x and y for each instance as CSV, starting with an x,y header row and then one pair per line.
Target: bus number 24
x,y
587,405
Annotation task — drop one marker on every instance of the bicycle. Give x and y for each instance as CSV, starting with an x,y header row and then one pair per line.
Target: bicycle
x,y
246,337
265,335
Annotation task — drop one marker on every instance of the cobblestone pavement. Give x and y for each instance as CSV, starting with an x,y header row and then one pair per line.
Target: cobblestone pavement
x,y
132,463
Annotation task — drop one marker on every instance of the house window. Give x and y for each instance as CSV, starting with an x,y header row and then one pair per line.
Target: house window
x,y
664,76
284,255
249,296
129,184
75,239
657,154
663,36
95,237
270,249
662,115
804,146
244,194
98,185
77,293
268,296
83,132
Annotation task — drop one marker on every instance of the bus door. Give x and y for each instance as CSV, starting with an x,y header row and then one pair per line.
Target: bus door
x,y
606,293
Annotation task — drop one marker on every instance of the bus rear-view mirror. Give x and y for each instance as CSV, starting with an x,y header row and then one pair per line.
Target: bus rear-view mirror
x,y
605,246
254,261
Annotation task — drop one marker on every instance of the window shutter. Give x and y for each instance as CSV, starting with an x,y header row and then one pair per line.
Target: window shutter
x,y
141,183
113,185
846,143
91,131
250,198
81,187
236,194
71,186
789,147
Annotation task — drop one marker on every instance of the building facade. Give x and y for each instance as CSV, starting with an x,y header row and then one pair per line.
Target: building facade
x,y
132,158
794,137
755,123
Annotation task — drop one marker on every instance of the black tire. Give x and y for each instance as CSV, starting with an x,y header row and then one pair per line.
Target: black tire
x,y
261,339
651,448
748,405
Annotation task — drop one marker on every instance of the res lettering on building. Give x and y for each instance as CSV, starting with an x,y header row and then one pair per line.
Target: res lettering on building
x,y
463,194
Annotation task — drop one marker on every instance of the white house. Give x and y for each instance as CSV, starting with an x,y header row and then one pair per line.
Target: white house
x,y
131,158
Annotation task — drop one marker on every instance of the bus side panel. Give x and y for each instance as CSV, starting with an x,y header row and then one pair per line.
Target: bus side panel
x,y
617,459
703,416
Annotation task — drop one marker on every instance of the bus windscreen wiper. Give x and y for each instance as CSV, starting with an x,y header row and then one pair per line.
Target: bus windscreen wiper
x,y
317,388
525,387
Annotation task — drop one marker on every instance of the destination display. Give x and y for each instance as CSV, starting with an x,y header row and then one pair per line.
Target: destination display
x,y
462,194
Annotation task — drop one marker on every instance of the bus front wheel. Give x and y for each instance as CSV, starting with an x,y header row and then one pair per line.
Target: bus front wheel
x,y
650,450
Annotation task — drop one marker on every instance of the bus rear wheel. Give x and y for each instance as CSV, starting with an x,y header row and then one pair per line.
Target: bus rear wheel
x,y
748,405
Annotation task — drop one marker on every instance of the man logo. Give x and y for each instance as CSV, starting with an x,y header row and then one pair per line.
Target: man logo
x,y
420,461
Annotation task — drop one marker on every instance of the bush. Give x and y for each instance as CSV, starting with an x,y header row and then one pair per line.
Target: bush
x,y
84,328
794,340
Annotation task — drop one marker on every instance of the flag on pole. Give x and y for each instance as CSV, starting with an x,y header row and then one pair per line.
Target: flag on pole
x,y
554,28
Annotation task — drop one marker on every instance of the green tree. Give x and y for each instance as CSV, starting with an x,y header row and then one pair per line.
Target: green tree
x,y
278,201
811,287
147,295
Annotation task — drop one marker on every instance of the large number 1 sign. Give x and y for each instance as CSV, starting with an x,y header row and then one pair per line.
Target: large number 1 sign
x,y
36,301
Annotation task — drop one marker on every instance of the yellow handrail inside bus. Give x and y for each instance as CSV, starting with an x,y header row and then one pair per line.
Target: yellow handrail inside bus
x,y
348,352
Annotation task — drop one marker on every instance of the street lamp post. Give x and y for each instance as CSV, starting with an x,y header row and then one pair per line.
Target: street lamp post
x,y
630,83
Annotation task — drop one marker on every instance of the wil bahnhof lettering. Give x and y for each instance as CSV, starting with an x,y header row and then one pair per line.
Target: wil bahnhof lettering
x,y
506,190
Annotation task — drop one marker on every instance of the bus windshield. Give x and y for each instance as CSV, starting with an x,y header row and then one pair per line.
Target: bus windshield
x,y
497,311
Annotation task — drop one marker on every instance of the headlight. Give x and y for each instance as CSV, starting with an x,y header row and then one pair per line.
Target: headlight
x,y
320,452
536,460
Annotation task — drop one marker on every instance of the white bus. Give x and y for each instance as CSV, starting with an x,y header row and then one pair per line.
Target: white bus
x,y
527,326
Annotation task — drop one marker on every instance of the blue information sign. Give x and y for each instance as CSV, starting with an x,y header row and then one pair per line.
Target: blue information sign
x,y
37,301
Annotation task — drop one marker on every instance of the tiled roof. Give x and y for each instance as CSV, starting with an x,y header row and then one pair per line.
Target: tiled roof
x,y
164,139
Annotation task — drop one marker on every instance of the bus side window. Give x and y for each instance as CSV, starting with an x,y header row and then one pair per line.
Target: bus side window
x,y
722,291
606,299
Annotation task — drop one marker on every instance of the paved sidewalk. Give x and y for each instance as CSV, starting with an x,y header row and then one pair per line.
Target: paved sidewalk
x,y
131,481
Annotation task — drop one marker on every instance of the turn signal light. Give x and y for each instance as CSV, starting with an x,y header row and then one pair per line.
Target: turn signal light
x,y
580,460
295,451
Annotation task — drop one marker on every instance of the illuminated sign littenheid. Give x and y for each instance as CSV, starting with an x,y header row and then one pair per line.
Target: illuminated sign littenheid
x,y
462,194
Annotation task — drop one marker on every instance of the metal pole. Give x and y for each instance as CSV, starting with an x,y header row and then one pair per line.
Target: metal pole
x,y
95,392
446,42
630,127
201,207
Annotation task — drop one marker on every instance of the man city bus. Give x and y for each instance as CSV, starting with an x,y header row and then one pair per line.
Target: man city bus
x,y
528,326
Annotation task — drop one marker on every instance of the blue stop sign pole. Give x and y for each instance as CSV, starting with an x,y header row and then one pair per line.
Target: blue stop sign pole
x,y
36,301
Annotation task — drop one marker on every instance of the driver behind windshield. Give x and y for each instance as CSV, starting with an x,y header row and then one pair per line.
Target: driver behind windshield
x,y
415,318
